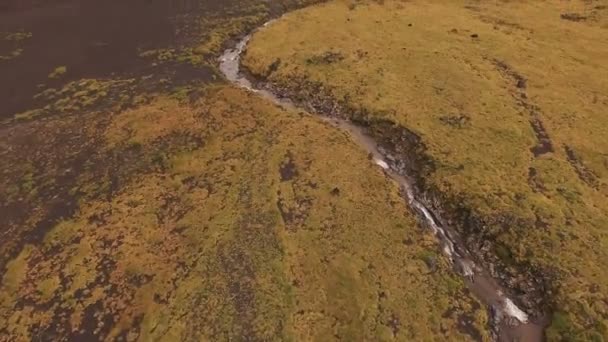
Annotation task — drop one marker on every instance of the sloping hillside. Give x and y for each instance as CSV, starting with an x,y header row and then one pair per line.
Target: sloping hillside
x,y
508,99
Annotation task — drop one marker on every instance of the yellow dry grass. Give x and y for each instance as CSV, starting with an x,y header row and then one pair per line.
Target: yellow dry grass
x,y
485,84
276,228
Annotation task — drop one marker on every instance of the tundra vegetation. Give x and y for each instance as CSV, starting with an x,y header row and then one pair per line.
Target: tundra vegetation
x,y
144,198
238,219
509,101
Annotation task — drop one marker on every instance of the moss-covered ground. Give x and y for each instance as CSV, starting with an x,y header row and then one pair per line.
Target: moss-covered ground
x,y
160,203
258,223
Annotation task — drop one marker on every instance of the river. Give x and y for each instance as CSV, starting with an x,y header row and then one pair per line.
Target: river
x,y
507,321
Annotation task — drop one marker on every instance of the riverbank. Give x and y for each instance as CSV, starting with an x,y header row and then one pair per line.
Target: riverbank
x,y
494,153
507,321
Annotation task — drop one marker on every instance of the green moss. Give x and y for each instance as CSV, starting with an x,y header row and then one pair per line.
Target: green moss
x,y
217,31
58,72
429,257
28,115
14,54
16,36
84,95
561,327
182,94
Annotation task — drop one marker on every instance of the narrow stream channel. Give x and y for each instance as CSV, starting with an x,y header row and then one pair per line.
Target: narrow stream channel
x,y
508,322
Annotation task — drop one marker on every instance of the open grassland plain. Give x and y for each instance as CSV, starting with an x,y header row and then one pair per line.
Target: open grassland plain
x,y
501,108
143,198
250,223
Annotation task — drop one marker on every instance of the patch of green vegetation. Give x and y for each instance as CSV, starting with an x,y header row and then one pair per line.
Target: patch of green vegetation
x,y
528,161
58,72
13,41
160,55
183,55
215,30
219,245
28,115
27,181
182,94
15,36
219,30
83,96
14,54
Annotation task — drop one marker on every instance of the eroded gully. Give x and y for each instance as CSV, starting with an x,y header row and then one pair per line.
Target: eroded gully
x,y
508,321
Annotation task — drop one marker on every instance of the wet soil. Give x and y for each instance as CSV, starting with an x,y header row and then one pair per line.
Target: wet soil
x,y
90,38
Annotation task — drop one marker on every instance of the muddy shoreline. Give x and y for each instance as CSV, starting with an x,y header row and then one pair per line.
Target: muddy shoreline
x,y
401,154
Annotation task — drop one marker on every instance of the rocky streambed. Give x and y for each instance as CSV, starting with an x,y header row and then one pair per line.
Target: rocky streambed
x,y
401,162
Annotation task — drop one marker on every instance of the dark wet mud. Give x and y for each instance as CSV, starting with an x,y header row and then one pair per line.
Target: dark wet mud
x,y
101,39
90,39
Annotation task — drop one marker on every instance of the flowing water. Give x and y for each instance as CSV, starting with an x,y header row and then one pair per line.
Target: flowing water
x,y
508,321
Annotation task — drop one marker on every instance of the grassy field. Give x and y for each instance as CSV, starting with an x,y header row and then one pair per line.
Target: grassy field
x,y
509,99
142,198
258,223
